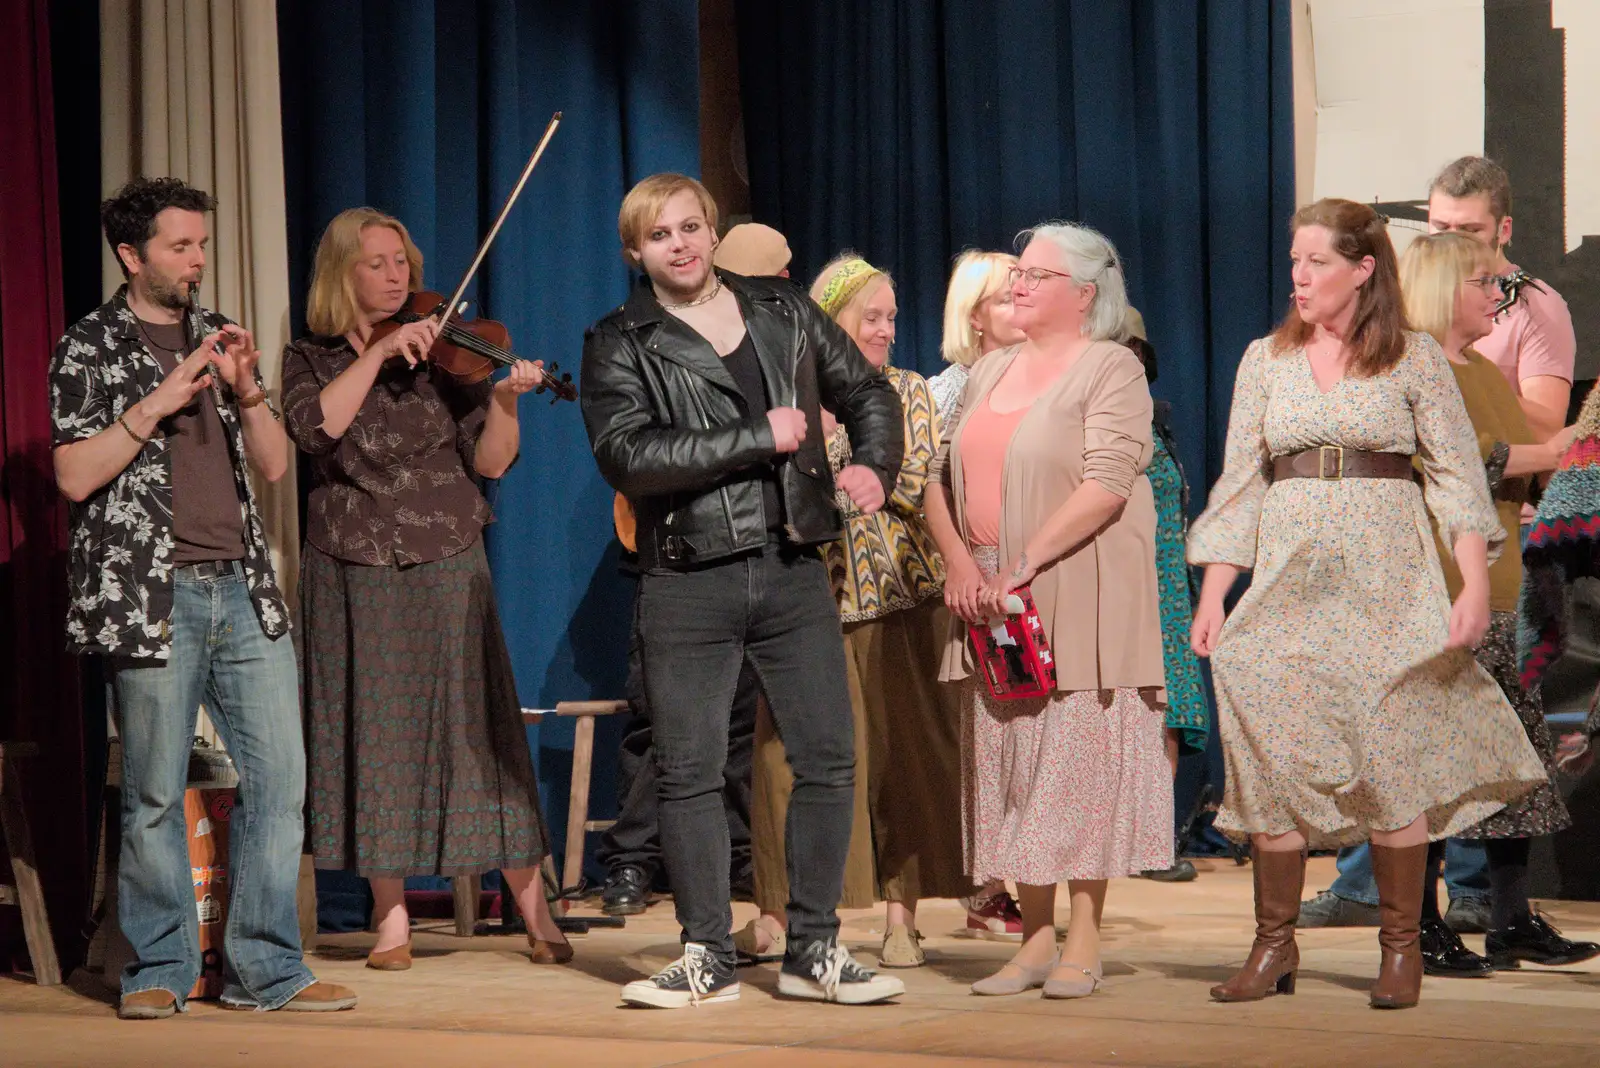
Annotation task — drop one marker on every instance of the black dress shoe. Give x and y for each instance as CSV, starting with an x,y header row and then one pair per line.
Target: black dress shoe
x,y
1533,938
1183,871
626,891
1443,954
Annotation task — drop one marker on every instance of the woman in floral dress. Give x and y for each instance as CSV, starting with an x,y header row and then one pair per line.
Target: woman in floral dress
x,y
1350,705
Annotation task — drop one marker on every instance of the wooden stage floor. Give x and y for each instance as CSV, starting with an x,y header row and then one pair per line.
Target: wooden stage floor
x,y
480,1002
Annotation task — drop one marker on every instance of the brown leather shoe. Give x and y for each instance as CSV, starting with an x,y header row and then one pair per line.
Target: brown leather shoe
x,y
1274,959
1399,874
147,1005
322,997
549,952
397,959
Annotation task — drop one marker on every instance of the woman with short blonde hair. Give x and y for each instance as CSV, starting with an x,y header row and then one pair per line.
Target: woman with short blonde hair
x,y
1451,292
977,320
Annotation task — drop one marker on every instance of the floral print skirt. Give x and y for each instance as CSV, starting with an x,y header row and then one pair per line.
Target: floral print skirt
x,y
1073,786
418,759
1542,811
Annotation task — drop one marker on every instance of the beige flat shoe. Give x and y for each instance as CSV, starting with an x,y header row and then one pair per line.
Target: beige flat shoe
x,y
747,943
1015,978
1074,982
902,948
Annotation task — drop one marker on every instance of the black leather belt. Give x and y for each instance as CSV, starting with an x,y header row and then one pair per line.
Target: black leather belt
x,y
209,569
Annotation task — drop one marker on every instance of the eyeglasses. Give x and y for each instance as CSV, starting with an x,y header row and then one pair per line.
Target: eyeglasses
x,y
1033,275
1489,283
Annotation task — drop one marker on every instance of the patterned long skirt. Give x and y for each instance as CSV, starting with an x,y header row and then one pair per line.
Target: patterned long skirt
x,y
1542,811
419,762
1188,709
1073,786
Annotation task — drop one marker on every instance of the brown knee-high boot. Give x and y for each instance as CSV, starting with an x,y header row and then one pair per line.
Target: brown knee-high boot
x,y
1280,877
1399,874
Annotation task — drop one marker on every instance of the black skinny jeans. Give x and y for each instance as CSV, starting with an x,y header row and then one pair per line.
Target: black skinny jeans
x,y
635,837
773,609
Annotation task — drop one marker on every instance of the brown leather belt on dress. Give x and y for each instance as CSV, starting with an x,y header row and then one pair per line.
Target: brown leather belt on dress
x,y
1332,463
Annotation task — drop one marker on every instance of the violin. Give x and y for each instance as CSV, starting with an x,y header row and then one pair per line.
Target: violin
x,y
469,350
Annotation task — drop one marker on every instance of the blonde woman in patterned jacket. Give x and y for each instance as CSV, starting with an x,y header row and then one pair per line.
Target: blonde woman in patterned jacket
x,y
888,579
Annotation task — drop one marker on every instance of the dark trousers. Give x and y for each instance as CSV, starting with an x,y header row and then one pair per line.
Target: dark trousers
x,y
774,611
635,838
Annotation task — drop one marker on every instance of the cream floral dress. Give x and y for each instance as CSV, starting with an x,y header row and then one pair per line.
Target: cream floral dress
x,y
1339,708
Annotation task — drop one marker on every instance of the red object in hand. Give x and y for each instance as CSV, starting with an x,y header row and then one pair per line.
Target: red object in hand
x,y
1013,652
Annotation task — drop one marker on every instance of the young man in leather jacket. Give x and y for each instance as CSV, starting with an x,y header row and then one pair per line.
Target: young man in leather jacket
x,y
701,396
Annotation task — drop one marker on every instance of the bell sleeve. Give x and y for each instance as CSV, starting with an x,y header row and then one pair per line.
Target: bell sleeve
x,y
1226,531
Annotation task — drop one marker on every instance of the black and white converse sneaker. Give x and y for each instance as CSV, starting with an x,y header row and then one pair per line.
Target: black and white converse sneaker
x,y
695,978
825,971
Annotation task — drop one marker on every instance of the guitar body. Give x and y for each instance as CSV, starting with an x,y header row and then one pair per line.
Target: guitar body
x,y
627,527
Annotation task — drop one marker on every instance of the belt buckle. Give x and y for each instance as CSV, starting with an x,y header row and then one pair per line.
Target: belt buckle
x,y
1322,463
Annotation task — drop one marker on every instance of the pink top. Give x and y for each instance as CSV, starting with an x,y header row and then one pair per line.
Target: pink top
x,y
984,443
1533,337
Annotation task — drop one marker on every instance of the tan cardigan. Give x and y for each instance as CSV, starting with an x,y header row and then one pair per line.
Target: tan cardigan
x,y
1099,603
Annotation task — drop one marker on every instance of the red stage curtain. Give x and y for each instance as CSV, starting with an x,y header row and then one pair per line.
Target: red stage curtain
x,y
39,681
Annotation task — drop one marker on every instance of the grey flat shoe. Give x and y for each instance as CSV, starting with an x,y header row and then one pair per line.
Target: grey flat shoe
x,y
1015,978
1079,983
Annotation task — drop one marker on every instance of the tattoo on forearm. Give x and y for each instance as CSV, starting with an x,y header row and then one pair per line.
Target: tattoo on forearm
x,y
1022,566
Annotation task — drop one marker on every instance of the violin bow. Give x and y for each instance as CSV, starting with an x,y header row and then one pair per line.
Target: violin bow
x,y
483,249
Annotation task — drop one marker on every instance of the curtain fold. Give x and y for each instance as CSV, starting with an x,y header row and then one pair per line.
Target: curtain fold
x,y
428,109
38,680
912,129
191,90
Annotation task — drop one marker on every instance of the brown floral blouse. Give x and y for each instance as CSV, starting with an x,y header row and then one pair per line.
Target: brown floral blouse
x,y
397,487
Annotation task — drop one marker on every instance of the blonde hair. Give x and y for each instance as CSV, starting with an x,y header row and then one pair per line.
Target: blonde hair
x,y
1431,273
977,276
331,307
847,311
644,203
1091,259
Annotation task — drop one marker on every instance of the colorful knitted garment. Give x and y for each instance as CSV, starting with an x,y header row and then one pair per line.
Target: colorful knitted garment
x,y
1563,545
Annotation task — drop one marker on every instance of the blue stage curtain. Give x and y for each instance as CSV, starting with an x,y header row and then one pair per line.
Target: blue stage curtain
x,y
428,109
910,130
913,129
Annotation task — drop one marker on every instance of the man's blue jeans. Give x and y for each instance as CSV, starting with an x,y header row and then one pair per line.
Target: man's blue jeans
x,y
1466,872
220,657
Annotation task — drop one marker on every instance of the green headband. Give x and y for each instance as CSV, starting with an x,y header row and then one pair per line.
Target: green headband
x,y
851,277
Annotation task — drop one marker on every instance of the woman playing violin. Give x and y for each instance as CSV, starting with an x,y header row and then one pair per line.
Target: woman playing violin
x,y
419,763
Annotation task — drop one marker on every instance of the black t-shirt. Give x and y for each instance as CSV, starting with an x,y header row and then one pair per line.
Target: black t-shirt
x,y
746,371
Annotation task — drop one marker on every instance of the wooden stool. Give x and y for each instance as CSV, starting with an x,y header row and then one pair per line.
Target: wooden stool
x,y
578,822
25,891
466,888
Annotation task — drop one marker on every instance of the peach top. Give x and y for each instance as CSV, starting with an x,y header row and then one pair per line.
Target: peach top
x,y
983,453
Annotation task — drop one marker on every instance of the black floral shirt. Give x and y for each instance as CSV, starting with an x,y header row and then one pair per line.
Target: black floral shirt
x,y
120,566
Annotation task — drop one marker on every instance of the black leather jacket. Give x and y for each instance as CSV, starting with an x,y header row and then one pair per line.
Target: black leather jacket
x,y
669,432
